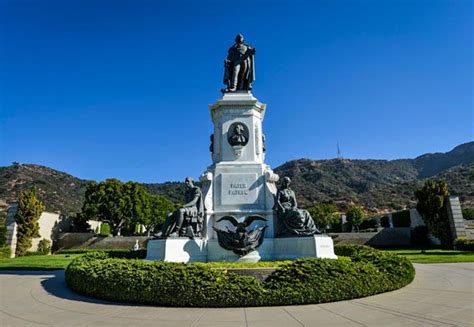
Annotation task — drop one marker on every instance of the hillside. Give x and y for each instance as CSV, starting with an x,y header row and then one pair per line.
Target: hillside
x,y
378,185
60,192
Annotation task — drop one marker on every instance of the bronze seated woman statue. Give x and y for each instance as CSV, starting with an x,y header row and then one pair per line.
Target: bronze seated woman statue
x,y
292,221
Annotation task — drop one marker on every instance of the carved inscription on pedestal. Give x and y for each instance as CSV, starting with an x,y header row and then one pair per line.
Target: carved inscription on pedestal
x,y
239,189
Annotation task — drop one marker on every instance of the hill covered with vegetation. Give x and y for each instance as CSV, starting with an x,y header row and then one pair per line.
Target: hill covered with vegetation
x,y
378,185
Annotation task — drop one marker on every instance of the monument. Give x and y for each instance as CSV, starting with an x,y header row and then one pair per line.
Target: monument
x,y
239,215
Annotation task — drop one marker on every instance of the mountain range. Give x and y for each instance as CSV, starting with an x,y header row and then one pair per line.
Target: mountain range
x,y
378,185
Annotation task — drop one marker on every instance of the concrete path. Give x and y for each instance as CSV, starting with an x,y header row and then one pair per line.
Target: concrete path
x,y
441,295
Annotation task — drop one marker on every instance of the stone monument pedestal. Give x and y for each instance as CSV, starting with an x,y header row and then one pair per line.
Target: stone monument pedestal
x,y
239,189
285,248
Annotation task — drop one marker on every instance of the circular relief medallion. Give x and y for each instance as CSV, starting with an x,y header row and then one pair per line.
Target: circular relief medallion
x,y
238,134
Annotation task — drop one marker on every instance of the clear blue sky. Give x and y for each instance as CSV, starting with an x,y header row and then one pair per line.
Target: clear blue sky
x,y
121,88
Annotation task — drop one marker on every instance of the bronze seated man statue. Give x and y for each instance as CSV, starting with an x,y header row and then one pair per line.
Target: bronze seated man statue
x,y
188,220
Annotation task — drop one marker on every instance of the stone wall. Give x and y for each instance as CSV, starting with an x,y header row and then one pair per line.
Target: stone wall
x,y
50,226
92,241
387,237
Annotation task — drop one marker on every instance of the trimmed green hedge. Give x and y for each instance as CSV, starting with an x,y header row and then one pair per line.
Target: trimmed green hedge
x,y
463,243
302,281
112,253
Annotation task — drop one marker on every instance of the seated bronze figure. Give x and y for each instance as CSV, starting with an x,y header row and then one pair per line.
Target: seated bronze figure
x,y
188,220
292,221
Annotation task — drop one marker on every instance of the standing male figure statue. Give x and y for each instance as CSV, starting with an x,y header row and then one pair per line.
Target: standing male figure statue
x,y
239,67
188,220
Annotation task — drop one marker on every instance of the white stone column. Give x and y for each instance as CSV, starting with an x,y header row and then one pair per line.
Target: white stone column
x,y
241,184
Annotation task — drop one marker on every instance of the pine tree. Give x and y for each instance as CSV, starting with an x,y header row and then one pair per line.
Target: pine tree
x,y
432,206
26,218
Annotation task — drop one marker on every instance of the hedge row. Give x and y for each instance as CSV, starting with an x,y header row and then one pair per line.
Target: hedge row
x,y
302,281
463,243
112,253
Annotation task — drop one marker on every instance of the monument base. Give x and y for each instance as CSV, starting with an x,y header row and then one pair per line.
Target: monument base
x,y
201,250
177,250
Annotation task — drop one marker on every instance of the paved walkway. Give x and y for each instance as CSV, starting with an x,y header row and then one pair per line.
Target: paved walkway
x,y
441,295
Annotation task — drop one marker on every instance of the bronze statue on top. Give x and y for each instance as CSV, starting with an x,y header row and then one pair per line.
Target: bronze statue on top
x,y
293,221
188,220
239,67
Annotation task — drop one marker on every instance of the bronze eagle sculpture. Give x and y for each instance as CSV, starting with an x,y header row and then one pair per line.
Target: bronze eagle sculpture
x,y
239,240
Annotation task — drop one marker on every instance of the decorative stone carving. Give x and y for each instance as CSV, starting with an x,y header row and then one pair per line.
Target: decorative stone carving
x,y
206,180
238,134
239,240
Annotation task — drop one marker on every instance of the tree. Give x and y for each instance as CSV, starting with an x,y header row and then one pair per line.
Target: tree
x,y
432,206
324,214
26,217
114,203
80,223
355,216
157,207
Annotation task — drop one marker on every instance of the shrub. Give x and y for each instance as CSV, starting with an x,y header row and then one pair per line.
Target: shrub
x,y
302,281
44,246
104,229
3,235
401,218
112,253
462,243
468,213
5,252
324,215
355,216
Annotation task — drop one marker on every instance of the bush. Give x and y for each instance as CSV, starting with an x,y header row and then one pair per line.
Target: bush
x,y
3,235
302,281
44,246
5,252
112,253
104,229
401,219
468,213
462,243
355,216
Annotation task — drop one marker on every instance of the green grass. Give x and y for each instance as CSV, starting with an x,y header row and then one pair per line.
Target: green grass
x,y
60,261
38,262
435,255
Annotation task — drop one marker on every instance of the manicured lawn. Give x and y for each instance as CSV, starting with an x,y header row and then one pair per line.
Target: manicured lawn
x,y
435,255
39,262
60,261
